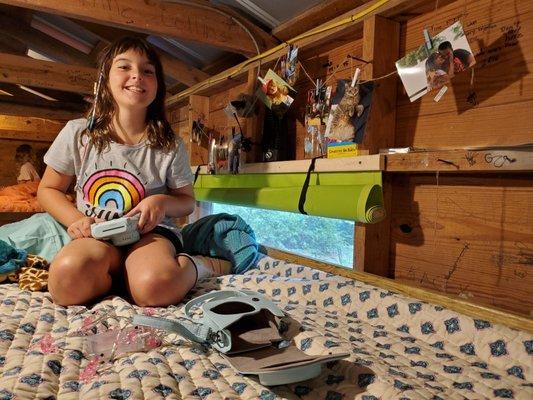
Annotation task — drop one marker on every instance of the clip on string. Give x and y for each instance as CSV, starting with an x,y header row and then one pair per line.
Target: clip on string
x,y
428,41
356,75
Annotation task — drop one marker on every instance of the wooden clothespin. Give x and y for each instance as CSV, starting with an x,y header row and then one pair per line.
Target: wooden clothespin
x,y
355,78
428,41
317,87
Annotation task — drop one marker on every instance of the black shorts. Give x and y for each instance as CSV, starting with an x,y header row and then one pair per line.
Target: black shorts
x,y
168,234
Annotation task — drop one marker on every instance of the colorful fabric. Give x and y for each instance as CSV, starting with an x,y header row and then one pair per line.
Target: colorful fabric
x,y
223,236
401,347
33,275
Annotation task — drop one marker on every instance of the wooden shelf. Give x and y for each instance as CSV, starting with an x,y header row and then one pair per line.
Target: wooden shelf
x,y
373,162
462,160
449,161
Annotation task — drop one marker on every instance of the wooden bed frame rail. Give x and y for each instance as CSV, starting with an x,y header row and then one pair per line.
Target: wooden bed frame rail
x,y
454,303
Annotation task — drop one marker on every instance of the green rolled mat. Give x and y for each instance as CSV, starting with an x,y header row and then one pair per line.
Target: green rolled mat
x,y
353,196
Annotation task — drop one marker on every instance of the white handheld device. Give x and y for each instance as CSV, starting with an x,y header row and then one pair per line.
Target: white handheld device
x,y
121,231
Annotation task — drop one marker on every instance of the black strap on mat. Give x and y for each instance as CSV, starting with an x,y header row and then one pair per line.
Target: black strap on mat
x,y
303,193
197,172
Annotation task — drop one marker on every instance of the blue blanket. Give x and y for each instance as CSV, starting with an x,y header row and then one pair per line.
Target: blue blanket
x,y
11,258
223,236
40,234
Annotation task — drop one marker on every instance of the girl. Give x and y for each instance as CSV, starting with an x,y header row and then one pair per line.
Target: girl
x,y
24,159
129,162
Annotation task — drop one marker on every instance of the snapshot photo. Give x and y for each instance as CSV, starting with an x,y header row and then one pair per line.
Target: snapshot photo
x,y
423,70
277,94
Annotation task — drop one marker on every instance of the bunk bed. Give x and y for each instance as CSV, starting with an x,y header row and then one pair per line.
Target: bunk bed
x,y
400,347
18,202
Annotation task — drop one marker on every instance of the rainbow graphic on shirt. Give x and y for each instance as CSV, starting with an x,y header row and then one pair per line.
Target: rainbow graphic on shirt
x,y
113,189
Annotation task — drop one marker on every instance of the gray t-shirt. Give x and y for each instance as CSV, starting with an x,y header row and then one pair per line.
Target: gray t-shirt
x,y
111,183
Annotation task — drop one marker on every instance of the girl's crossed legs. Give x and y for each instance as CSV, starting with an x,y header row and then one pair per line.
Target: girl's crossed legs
x,y
84,269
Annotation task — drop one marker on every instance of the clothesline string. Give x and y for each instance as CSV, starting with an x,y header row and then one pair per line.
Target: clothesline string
x,y
335,70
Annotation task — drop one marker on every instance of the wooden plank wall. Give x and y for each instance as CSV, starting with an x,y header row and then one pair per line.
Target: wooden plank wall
x,y
501,37
468,235
14,131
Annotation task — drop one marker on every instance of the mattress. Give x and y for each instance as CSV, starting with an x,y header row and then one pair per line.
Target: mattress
x,y
400,347
21,197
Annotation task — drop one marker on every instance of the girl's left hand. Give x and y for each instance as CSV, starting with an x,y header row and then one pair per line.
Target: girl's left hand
x,y
152,210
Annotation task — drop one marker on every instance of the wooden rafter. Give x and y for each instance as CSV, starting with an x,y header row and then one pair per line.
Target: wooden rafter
x,y
321,13
38,41
46,74
23,110
310,39
196,22
176,69
12,46
24,104
27,128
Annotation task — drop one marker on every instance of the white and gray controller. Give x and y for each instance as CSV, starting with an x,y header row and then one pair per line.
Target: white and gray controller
x,y
121,231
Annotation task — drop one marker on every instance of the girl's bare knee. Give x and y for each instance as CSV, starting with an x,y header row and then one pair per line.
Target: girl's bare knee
x,y
71,281
156,289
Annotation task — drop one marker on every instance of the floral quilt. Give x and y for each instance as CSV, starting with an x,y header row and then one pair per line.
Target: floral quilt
x,y
400,347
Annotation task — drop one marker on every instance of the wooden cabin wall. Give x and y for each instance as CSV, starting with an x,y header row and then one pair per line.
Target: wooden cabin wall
x,y
179,120
16,130
468,235
496,109
329,66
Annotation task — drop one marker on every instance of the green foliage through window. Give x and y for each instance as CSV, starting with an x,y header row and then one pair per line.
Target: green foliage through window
x,y
324,239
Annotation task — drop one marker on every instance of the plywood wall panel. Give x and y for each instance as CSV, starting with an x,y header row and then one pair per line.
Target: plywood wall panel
x,y
329,66
466,235
220,100
501,37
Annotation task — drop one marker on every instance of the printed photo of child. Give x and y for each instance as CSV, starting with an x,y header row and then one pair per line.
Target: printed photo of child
x,y
423,70
275,93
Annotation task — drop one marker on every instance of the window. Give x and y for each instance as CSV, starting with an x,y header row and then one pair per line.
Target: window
x,y
324,239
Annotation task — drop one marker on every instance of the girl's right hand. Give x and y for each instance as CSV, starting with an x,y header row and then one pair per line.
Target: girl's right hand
x,y
81,228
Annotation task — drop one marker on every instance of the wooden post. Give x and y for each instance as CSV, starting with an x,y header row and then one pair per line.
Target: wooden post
x,y
199,109
381,41
253,128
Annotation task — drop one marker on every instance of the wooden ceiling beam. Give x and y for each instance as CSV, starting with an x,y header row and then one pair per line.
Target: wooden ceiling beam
x,y
12,46
25,110
200,23
180,71
41,42
339,26
263,39
176,69
27,128
46,74
66,100
315,16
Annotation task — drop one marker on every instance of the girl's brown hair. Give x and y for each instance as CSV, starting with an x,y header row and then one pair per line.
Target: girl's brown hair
x,y
159,132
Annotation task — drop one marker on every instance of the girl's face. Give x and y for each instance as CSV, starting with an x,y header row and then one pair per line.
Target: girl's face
x,y
271,88
132,80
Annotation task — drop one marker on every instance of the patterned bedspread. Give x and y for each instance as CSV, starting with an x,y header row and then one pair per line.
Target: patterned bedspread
x,y
401,348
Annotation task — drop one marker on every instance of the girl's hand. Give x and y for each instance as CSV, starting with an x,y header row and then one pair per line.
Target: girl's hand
x,y
81,228
152,210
